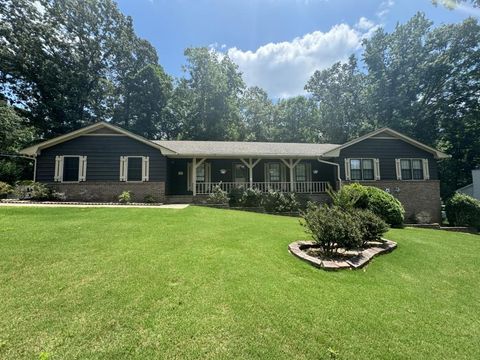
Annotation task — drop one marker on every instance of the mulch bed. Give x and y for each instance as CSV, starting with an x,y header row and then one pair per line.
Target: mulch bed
x,y
309,251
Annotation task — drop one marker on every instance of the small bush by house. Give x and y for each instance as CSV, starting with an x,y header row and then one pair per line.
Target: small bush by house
x,y
5,189
374,199
235,196
251,198
149,199
125,197
30,190
463,210
217,196
277,202
332,228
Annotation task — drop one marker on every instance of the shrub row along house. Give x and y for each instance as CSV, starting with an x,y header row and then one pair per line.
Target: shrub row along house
x,y
98,162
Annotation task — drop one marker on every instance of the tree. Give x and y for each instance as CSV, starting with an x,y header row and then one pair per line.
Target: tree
x,y
258,113
67,61
340,92
144,106
297,120
213,86
15,133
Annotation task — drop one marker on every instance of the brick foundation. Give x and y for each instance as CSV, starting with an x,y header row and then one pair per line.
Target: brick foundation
x,y
415,196
110,190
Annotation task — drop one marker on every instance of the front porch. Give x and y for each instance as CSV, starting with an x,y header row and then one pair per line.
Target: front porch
x,y
200,176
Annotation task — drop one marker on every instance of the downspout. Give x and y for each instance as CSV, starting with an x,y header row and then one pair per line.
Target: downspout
x,y
338,170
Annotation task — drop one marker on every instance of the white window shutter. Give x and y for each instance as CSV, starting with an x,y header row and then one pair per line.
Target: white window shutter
x,y
376,168
82,168
123,168
58,168
145,168
426,171
398,169
347,169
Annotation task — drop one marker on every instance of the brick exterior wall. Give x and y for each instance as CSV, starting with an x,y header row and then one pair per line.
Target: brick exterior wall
x,y
110,190
415,196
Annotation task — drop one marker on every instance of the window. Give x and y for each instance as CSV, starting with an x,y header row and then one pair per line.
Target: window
x,y
303,172
300,173
201,173
413,169
273,172
362,169
134,168
70,168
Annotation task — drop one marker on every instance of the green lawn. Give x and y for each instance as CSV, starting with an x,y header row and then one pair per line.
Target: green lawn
x,y
206,283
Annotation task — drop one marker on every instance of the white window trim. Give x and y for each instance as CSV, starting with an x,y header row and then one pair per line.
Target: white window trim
x,y
124,168
425,169
376,169
308,171
208,174
59,168
283,172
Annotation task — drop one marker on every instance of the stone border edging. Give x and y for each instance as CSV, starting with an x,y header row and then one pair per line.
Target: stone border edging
x,y
296,248
7,201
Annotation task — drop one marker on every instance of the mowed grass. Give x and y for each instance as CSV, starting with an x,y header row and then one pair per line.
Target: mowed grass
x,y
200,283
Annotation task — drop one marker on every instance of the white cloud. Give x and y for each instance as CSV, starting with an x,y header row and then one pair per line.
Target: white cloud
x,y
364,24
385,8
283,69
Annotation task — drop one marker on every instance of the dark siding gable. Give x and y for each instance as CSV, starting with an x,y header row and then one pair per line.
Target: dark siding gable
x,y
386,150
103,157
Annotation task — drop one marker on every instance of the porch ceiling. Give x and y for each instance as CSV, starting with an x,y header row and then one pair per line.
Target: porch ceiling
x,y
232,149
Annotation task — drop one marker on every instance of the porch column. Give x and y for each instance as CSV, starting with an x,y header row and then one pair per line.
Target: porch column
x,y
195,165
291,165
250,165
194,176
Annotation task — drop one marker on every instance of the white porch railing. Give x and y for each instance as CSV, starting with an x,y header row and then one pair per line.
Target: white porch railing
x,y
304,187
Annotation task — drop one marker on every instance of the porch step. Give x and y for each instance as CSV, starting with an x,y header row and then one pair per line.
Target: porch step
x,y
179,199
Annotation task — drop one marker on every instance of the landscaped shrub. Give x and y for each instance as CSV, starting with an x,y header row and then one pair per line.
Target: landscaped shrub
x,y
251,198
332,228
277,202
372,227
349,196
30,190
5,189
235,196
218,196
463,210
125,197
149,199
378,201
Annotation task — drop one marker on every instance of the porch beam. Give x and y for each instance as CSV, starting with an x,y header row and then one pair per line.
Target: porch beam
x,y
250,165
291,165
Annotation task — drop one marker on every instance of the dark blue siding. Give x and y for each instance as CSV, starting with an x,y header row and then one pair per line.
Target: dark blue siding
x,y
103,157
386,150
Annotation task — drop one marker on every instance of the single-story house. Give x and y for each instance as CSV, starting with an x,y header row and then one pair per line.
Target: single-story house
x,y
98,162
472,189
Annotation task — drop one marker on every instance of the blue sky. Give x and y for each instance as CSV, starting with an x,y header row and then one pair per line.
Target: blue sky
x,y
277,44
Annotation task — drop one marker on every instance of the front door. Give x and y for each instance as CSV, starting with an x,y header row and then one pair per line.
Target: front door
x,y
240,173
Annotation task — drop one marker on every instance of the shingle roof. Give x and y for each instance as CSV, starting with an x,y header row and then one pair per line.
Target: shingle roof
x,y
247,149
